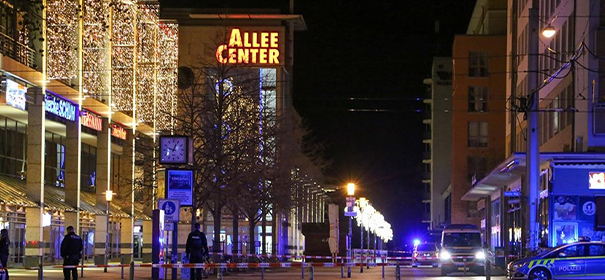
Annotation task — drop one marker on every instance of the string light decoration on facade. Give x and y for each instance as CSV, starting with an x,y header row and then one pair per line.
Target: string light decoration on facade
x,y
62,34
94,53
123,19
167,74
147,31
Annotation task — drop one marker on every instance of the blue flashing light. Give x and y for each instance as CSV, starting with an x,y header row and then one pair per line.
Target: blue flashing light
x,y
416,242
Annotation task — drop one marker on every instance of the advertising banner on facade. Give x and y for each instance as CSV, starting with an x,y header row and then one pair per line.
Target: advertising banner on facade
x,y
15,95
179,185
334,228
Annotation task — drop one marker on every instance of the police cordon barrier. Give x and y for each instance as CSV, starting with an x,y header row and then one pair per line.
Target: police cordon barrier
x,y
223,266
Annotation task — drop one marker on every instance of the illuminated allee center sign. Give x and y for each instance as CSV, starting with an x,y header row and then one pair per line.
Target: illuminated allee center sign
x,y
250,47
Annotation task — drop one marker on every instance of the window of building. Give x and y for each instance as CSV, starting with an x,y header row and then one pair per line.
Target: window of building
x,y
477,134
88,165
477,64
476,168
555,119
551,127
13,147
571,103
477,99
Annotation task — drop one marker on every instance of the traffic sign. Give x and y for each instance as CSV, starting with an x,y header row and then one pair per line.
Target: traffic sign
x,y
512,193
172,209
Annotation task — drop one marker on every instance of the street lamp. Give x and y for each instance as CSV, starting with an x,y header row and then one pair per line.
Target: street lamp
x,y
548,31
108,198
350,213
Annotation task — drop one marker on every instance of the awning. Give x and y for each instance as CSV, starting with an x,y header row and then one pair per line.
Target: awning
x,y
13,192
514,167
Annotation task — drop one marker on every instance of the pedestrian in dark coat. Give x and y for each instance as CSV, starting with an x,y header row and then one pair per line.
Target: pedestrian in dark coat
x,y
197,250
4,245
71,252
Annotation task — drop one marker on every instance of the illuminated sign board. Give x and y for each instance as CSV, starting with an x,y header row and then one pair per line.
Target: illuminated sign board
x,y
252,47
60,107
179,185
91,120
596,180
118,131
15,94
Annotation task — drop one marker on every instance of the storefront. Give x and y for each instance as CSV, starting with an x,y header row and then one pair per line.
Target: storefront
x,y
569,183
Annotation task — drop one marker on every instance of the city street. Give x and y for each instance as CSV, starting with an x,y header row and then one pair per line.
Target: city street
x,y
374,273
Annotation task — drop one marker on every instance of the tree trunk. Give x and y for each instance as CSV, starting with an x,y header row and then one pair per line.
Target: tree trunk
x,y
235,240
274,234
263,236
216,241
251,224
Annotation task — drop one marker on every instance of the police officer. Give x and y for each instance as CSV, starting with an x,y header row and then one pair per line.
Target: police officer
x,y
71,249
197,250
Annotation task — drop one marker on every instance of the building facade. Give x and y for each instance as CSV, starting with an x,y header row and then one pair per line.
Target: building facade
x,y
84,92
570,138
437,152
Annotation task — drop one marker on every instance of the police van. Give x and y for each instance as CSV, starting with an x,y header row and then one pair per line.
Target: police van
x,y
579,260
462,250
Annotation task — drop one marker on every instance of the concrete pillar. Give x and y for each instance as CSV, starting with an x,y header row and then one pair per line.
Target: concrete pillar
x,y
73,150
147,238
34,242
126,191
102,185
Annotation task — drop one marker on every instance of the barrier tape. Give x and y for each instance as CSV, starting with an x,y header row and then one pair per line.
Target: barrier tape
x,y
228,265
305,257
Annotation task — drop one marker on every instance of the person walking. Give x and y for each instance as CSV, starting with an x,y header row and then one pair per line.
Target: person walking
x,y
4,245
196,250
71,249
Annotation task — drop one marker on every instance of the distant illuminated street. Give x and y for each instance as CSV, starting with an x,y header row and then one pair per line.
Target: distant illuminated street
x,y
374,273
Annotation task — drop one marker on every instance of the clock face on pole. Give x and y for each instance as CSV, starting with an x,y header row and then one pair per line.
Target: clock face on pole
x,y
173,150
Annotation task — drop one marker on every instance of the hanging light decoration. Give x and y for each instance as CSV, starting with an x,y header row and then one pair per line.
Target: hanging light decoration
x,y
167,74
123,19
62,39
94,52
147,31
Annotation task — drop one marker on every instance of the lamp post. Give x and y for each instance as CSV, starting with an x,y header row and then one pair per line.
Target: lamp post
x,y
108,197
362,204
350,213
533,132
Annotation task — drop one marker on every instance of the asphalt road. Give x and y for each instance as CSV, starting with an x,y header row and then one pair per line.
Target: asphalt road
x,y
374,273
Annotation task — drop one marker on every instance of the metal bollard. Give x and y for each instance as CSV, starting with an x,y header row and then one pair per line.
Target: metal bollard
x,y
383,272
488,270
219,273
41,268
311,272
303,270
122,262
262,273
342,272
398,272
131,276
82,268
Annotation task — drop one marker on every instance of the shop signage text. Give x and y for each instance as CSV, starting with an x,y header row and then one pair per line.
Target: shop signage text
x,y
118,131
15,94
60,107
250,47
92,121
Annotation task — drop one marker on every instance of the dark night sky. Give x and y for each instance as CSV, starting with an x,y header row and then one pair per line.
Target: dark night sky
x,y
377,53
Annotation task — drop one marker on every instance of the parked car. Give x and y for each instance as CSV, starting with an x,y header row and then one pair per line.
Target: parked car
x,y
426,254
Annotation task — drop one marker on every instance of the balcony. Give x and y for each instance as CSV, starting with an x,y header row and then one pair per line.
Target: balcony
x,y
17,51
426,155
426,217
426,175
427,115
426,196
426,135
